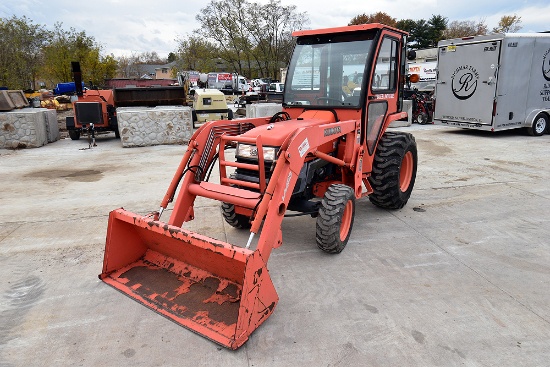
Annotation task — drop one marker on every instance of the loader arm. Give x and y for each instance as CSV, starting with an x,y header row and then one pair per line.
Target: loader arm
x,y
199,157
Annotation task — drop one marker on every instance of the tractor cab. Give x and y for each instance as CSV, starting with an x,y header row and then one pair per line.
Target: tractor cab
x,y
344,69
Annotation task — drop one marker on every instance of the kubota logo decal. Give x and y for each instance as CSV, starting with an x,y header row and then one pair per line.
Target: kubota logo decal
x,y
287,184
546,65
332,130
464,81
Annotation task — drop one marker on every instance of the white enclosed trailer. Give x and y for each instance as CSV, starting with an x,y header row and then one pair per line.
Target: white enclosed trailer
x,y
494,82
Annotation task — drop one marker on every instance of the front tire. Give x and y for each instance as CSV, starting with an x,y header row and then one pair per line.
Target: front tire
x,y
335,219
540,125
394,170
233,219
74,134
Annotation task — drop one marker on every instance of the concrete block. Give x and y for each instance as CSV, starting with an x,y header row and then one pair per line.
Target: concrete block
x,y
154,126
24,128
262,109
18,98
52,127
6,104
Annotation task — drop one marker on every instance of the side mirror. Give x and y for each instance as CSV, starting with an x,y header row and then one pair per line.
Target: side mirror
x,y
411,55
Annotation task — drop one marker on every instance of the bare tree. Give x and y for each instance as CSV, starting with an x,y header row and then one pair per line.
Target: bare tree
x,y
253,39
508,24
465,28
271,34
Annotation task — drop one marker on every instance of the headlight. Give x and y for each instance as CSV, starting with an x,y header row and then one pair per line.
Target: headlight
x,y
251,152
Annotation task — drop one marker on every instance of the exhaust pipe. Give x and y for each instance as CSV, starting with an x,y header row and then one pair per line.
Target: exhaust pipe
x,y
77,77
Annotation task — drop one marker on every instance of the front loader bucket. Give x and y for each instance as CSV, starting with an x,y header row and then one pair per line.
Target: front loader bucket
x,y
218,290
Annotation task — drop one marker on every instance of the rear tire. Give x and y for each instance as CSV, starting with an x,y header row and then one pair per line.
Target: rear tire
x,y
393,171
335,219
233,219
74,134
540,125
117,133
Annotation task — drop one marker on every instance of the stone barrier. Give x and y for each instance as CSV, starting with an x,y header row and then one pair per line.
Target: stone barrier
x,y
262,109
28,128
143,126
52,127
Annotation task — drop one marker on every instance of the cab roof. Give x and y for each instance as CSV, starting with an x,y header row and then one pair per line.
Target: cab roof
x,y
351,28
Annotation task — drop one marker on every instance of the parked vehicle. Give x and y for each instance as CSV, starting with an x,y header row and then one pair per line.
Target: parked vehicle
x,y
209,105
276,87
275,92
316,158
422,106
494,82
228,83
424,64
94,110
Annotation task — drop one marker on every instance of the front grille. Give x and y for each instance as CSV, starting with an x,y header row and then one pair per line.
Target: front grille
x,y
217,131
88,113
253,176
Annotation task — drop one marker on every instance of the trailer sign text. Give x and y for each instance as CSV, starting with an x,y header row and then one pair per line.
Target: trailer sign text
x,y
464,81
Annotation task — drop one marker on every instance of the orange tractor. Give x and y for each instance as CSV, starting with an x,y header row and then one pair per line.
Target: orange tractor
x,y
322,152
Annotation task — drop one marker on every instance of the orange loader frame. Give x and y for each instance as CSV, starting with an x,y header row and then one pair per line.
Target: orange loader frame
x,y
221,291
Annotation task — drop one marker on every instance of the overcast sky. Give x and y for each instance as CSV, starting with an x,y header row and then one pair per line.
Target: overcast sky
x,y
124,27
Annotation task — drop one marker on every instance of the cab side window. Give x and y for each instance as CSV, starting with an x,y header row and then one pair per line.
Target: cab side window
x,y
385,72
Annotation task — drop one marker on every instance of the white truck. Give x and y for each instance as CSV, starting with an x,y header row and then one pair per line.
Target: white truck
x,y
228,83
494,82
425,65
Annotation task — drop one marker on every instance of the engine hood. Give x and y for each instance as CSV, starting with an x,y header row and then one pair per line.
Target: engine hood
x,y
275,134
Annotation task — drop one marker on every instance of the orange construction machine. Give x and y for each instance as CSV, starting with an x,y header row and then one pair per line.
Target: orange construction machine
x,y
95,109
325,150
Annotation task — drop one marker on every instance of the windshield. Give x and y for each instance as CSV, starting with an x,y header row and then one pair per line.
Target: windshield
x,y
328,70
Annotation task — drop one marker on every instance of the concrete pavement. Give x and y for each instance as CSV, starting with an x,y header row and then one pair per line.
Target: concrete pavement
x,y
459,277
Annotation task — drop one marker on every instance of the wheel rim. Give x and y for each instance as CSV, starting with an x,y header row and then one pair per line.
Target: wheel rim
x,y
346,220
405,173
540,125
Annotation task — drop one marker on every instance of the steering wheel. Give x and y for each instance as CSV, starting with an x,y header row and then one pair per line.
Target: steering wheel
x,y
328,99
279,116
